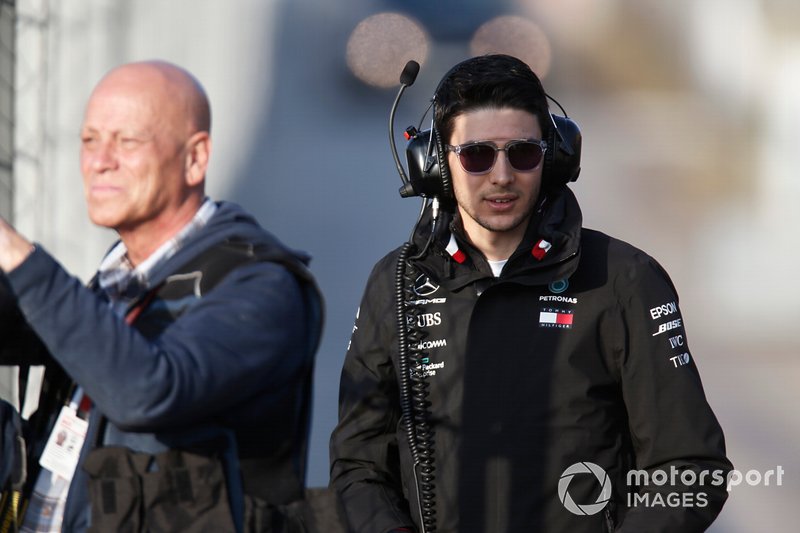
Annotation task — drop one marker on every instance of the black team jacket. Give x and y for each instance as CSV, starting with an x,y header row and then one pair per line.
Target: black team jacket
x,y
561,392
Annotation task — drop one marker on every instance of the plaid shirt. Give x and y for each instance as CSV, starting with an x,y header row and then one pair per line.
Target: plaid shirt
x,y
121,282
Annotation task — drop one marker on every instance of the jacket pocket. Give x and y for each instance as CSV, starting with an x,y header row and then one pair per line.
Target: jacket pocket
x,y
175,490
263,517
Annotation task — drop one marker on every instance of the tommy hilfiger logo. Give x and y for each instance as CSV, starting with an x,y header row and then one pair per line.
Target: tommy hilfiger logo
x,y
555,318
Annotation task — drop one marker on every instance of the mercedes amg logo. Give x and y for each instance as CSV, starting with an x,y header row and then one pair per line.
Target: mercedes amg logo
x,y
424,287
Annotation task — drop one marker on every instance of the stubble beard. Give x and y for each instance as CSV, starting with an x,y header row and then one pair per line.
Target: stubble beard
x,y
487,224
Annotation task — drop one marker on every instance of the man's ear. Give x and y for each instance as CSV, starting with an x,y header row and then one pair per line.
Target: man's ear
x,y
198,151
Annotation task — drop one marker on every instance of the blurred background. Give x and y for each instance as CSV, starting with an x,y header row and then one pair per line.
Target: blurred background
x,y
688,110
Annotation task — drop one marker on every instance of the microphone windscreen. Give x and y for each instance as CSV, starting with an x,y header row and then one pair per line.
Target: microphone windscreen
x,y
409,74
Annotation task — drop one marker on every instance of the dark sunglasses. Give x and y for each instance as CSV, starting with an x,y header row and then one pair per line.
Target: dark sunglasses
x,y
479,157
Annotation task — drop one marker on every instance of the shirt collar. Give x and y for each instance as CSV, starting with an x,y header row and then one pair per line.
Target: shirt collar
x,y
117,276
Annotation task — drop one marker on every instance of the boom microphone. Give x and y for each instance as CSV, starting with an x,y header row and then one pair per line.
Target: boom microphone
x,y
409,74
407,78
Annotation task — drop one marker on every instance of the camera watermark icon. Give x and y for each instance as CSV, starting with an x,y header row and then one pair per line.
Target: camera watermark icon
x,y
586,509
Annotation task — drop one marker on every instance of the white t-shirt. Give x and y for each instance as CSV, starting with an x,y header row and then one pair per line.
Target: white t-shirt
x,y
497,266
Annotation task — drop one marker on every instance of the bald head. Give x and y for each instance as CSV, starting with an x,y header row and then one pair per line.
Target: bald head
x,y
145,147
171,87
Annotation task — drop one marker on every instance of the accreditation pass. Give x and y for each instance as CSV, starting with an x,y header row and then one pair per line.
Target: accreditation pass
x,y
63,448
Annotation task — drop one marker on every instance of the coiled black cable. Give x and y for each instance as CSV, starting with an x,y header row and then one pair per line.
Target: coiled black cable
x,y
414,403
401,300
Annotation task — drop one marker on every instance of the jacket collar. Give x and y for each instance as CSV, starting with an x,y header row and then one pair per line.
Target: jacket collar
x,y
549,251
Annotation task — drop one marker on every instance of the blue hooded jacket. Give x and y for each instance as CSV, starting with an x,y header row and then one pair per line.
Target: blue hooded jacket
x,y
239,357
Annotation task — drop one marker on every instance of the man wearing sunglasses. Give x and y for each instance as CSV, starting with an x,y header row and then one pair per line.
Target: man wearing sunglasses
x,y
542,381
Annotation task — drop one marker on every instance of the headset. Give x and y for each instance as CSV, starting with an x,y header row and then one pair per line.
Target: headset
x,y
428,173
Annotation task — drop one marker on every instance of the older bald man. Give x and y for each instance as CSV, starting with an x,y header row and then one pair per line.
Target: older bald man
x,y
188,358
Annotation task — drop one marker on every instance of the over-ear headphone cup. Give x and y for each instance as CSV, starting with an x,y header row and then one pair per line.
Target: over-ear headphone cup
x,y
562,161
444,169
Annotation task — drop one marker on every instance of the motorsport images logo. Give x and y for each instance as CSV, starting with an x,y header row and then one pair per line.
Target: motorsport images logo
x,y
584,467
639,485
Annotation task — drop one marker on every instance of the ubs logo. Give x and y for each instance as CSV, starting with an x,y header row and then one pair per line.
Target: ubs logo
x,y
424,287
